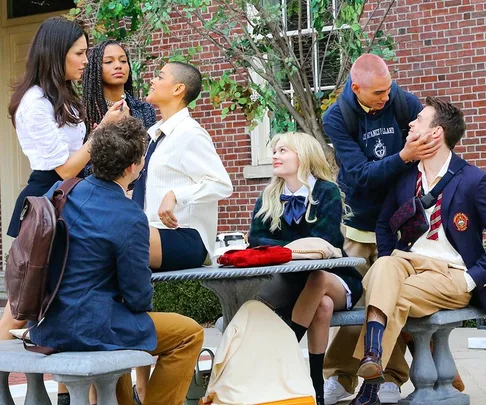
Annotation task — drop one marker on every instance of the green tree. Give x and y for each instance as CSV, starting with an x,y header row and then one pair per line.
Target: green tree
x,y
286,57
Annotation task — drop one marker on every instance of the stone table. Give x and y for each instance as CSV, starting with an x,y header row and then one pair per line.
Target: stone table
x,y
235,285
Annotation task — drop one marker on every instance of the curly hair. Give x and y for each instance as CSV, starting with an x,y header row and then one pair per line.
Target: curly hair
x,y
93,97
115,146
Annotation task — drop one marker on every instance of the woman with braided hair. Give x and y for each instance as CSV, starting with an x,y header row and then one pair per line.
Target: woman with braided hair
x,y
107,79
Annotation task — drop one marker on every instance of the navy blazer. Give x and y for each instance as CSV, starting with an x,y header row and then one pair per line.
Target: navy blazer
x,y
463,198
106,290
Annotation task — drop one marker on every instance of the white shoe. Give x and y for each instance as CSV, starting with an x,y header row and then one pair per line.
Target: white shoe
x,y
389,393
334,391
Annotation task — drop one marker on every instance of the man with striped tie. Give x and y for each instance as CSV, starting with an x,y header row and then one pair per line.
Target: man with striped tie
x,y
445,267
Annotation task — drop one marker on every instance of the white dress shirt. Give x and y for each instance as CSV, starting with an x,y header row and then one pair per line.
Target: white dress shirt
x,y
440,249
45,144
186,162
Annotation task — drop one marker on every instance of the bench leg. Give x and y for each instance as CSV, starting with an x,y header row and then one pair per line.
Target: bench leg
x,y
106,388
36,390
234,292
5,396
422,372
446,368
77,386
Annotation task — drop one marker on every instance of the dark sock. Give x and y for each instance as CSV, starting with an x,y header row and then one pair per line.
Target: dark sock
x,y
63,399
299,330
368,393
373,338
316,362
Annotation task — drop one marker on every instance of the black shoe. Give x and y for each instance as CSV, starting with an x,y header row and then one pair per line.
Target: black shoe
x,y
136,398
63,399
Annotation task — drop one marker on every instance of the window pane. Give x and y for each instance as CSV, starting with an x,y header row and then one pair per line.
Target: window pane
x,y
23,8
328,63
293,14
307,56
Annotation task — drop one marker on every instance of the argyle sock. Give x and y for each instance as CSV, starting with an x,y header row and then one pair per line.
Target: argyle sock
x,y
373,338
299,330
316,362
63,399
368,393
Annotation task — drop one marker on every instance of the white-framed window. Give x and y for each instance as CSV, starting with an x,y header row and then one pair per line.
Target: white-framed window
x,y
321,78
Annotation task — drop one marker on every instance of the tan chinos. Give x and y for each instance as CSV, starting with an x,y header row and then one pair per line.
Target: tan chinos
x,y
406,284
339,360
179,341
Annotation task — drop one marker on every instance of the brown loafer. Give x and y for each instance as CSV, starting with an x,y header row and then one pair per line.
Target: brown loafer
x,y
370,369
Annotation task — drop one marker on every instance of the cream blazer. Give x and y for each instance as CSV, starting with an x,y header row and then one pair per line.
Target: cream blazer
x,y
258,360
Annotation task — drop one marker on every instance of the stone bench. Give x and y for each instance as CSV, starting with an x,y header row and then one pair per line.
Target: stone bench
x,y
77,370
431,372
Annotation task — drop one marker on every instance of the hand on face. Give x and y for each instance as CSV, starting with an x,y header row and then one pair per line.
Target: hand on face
x,y
424,137
166,210
421,145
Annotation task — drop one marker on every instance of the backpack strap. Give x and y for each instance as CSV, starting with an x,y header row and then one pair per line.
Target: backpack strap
x,y
59,197
350,118
402,114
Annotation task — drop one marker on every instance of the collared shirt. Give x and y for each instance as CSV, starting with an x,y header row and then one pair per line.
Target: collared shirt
x,y
440,249
45,144
186,162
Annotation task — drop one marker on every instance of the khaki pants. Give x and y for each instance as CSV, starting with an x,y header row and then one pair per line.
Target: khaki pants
x,y
406,284
339,360
179,341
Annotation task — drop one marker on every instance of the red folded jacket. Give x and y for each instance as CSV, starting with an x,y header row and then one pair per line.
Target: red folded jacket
x,y
257,256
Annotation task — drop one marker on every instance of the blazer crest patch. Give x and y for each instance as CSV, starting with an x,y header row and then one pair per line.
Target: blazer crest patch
x,y
460,221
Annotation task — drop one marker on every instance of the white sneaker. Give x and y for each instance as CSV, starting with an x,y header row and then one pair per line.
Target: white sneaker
x,y
389,393
334,391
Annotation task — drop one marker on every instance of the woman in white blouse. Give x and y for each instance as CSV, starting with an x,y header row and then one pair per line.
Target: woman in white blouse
x,y
48,117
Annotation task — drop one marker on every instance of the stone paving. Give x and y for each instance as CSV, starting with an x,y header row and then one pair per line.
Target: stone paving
x,y
471,365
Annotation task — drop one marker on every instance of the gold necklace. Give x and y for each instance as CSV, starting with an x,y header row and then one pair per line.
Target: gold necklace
x,y
109,103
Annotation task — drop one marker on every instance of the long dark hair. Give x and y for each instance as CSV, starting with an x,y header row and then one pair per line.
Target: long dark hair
x,y
46,68
93,97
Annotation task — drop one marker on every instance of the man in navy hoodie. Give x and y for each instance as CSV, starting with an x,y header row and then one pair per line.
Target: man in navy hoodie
x,y
371,162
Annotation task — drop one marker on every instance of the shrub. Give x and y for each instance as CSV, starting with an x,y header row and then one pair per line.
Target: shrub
x,y
188,298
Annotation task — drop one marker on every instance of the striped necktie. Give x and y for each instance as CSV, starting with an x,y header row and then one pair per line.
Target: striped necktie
x,y
435,217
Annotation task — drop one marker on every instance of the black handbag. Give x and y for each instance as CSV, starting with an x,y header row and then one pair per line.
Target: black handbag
x,y
410,219
200,381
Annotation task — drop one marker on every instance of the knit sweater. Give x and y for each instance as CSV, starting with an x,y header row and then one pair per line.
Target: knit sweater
x,y
328,214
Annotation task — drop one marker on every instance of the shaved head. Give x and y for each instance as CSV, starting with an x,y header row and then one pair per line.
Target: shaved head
x,y
368,67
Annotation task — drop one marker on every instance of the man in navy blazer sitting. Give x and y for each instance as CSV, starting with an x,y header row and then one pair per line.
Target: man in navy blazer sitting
x,y
105,297
445,267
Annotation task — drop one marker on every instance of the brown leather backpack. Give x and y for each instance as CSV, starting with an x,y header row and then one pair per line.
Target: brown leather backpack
x,y
29,258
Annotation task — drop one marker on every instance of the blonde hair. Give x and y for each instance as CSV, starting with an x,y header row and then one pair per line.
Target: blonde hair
x,y
311,161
